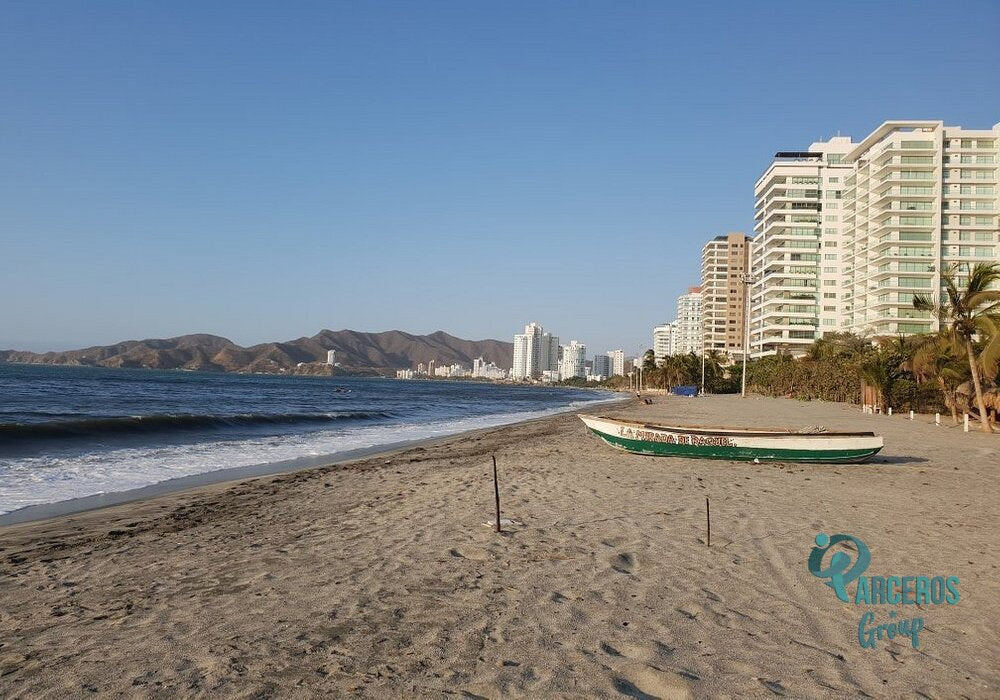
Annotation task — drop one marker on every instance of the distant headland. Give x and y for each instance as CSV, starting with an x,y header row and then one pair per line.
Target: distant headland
x,y
343,352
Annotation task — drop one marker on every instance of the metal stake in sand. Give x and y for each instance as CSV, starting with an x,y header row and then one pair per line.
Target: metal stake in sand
x,y
890,410
708,523
911,414
496,491
937,419
966,422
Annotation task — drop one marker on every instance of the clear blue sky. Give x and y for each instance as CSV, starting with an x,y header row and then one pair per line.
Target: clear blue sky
x,y
265,170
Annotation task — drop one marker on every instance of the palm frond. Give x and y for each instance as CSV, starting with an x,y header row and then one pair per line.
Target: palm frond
x,y
989,356
982,277
924,303
954,296
989,298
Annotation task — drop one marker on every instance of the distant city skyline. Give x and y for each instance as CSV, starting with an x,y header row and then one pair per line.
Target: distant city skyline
x,y
261,172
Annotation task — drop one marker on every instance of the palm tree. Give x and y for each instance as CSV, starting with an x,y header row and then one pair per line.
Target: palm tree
x,y
939,359
974,311
648,361
838,344
881,368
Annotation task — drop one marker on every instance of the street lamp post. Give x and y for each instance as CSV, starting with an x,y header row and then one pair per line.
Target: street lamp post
x,y
745,279
642,358
703,365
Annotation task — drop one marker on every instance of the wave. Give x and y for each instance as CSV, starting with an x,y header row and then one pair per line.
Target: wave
x,y
165,423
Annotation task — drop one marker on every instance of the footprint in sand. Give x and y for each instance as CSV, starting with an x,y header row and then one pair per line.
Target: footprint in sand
x,y
774,686
474,554
647,682
690,611
711,595
624,562
610,650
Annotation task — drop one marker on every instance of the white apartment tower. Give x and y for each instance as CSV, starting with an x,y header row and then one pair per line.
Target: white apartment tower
x,y
796,267
574,361
617,358
601,366
688,330
535,351
724,260
663,340
921,198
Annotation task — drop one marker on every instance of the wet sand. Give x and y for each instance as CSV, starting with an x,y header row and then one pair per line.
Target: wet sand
x,y
379,577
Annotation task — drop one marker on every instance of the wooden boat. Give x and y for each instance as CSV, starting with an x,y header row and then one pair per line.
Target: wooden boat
x,y
764,445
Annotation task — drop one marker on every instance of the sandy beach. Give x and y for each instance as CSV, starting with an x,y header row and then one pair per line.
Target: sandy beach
x,y
380,578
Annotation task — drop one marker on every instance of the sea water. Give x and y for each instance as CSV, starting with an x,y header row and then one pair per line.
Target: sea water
x,y
70,432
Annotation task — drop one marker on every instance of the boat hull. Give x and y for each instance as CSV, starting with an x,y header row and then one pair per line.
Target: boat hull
x,y
746,446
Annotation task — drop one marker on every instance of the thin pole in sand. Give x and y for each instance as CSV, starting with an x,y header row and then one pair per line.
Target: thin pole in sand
x,y
937,419
496,491
708,522
890,410
911,414
966,422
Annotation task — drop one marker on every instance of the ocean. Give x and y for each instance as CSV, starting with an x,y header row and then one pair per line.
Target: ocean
x,y
71,432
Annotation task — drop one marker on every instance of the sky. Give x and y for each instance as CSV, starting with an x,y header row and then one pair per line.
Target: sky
x,y
263,170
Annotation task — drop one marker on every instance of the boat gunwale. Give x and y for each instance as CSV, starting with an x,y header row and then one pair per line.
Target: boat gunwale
x,y
736,432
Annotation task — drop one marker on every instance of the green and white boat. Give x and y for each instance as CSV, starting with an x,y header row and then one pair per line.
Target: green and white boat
x,y
748,445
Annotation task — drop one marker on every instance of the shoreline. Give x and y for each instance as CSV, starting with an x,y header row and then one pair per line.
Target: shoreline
x,y
381,577
83,504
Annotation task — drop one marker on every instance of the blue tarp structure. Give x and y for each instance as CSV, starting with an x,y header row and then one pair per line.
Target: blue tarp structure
x,y
687,390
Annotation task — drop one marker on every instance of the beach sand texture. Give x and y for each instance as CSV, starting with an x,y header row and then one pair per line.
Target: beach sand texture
x,y
380,577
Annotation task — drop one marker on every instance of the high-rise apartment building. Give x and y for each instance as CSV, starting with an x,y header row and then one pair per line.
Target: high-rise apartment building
x,y
848,233
921,198
796,266
725,260
617,358
535,351
601,366
688,329
663,341
574,361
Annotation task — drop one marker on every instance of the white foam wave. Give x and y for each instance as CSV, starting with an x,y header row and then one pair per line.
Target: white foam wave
x,y
37,480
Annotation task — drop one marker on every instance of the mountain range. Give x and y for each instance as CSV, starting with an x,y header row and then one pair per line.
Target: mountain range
x,y
357,352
